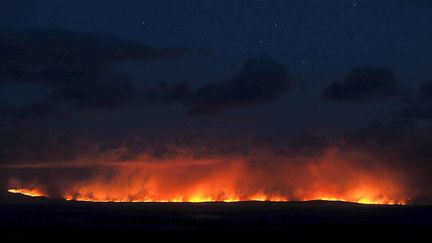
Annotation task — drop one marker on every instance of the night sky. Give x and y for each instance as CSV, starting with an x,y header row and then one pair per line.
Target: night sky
x,y
112,80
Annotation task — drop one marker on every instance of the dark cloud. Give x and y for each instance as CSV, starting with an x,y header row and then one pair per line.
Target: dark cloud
x,y
420,107
426,90
363,83
106,92
29,111
73,49
261,80
77,70
417,111
77,67
166,92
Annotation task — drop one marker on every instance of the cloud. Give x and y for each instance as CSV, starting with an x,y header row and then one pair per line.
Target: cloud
x,y
25,112
74,49
76,67
261,80
417,111
363,83
420,107
166,92
106,92
426,90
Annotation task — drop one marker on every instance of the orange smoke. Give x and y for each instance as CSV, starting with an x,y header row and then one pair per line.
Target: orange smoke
x,y
240,178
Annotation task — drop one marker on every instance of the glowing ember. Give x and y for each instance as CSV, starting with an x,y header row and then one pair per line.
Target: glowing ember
x,y
189,179
27,192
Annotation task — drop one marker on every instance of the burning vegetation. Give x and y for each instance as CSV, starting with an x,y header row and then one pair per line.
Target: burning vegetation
x,y
186,178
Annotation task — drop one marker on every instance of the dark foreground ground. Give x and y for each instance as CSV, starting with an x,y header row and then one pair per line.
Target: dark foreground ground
x,y
23,219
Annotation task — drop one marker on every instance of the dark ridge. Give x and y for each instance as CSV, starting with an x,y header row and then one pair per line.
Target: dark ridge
x,y
28,218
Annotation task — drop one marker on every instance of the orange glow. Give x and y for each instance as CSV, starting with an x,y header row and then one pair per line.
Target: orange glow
x,y
28,192
184,178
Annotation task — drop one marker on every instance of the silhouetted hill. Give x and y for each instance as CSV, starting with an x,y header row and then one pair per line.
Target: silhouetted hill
x,y
16,198
23,217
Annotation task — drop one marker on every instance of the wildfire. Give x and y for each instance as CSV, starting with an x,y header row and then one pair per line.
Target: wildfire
x,y
189,179
28,192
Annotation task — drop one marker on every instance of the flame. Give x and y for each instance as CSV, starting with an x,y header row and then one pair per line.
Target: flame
x,y
28,192
232,179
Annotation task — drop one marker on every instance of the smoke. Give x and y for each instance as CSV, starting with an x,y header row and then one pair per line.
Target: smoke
x,y
185,175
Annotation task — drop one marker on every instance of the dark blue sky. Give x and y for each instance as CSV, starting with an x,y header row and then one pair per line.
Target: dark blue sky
x,y
337,30
317,42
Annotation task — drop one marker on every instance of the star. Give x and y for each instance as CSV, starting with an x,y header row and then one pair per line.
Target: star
x,y
261,42
276,25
